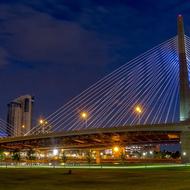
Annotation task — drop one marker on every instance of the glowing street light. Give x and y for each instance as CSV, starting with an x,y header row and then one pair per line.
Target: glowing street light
x,y
84,116
184,153
138,110
55,152
23,129
144,153
41,121
6,153
151,152
116,149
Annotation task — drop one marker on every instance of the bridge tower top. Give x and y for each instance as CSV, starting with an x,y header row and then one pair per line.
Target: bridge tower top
x,y
183,73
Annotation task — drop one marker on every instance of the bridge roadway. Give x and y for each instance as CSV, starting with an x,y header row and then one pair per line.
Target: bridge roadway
x,y
102,138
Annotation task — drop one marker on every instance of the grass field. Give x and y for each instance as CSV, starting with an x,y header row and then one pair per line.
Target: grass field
x,y
95,179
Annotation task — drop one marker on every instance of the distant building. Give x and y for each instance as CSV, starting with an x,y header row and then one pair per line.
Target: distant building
x,y
19,117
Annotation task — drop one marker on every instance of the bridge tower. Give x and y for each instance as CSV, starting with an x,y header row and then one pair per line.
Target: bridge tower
x,y
183,74
184,92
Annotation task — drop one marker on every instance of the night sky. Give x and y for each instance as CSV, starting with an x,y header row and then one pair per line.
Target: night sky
x,y
55,49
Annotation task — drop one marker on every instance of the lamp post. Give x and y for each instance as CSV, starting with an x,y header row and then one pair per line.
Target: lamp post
x,y
23,129
41,122
84,116
116,151
55,156
138,110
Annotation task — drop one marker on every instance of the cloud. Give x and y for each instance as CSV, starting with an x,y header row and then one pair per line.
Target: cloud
x,y
36,37
85,32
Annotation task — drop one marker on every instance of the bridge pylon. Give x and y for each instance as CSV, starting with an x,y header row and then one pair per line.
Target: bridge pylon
x,y
184,90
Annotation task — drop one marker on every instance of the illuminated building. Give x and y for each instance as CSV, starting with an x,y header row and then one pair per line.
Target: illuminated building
x,y
19,117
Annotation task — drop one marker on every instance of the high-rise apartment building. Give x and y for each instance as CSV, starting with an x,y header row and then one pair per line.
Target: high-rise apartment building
x,y
19,117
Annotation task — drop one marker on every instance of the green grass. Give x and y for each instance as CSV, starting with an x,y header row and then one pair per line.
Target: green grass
x,y
95,179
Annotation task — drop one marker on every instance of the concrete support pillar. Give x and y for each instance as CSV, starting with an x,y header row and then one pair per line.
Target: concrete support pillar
x,y
183,74
98,158
185,147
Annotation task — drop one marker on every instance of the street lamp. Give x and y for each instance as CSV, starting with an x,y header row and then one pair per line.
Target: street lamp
x,y
116,149
41,123
138,110
23,129
184,153
55,156
55,152
84,116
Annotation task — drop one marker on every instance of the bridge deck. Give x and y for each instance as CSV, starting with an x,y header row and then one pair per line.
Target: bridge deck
x,y
104,137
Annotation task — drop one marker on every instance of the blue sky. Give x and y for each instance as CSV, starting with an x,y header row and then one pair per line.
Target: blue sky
x,y
54,49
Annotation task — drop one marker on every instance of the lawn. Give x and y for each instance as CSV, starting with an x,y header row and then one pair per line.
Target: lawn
x,y
95,179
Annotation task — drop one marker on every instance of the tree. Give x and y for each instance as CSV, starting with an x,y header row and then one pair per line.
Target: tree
x,y
2,155
176,155
64,157
16,156
31,154
89,157
137,154
157,155
123,156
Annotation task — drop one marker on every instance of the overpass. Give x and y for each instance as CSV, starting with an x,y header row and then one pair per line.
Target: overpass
x,y
107,138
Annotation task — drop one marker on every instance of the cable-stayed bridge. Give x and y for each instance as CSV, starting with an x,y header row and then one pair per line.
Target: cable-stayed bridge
x,y
147,100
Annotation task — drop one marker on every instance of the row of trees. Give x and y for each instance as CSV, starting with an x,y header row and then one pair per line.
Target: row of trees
x,y
15,155
31,155
159,154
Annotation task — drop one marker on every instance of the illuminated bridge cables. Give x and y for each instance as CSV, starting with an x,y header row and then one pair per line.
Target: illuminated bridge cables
x,y
104,108
169,96
97,86
9,129
116,108
164,97
174,98
147,80
125,89
161,92
104,100
6,129
141,93
187,43
85,99
3,129
132,104
90,107
145,98
95,120
93,93
135,98
157,96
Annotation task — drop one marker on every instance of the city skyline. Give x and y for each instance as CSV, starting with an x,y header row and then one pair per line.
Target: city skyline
x,y
110,34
